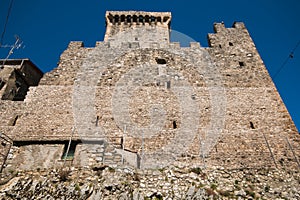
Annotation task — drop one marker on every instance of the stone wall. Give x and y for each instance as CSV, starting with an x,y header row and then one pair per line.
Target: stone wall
x,y
173,182
47,114
214,106
35,156
256,116
140,29
70,60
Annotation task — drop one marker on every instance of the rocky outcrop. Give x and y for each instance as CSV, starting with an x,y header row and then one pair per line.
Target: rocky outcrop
x,y
174,182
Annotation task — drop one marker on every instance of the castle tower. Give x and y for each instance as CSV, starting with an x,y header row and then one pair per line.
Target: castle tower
x,y
137,98
143,29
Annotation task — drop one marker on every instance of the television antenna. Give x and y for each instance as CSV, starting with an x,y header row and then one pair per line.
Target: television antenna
x,y
17,45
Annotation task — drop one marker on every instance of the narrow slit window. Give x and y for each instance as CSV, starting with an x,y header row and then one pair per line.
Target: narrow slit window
x,y
174,125
252,125
97,120
168,84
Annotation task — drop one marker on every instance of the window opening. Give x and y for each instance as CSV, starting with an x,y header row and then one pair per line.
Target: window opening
x,y
242,64
168,84
160,61
252,125
230,44
174,125
97,120
71,152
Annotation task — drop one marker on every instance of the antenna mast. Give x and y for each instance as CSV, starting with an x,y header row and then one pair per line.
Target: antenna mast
x,y
18,44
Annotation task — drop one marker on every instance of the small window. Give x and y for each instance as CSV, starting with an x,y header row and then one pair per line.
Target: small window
x,y
168,84
97,120
252,125
174,125
160,61
220,46
242,64
69,155
230,44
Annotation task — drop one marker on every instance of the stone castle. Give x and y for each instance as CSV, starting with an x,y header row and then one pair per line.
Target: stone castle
x,y
138,99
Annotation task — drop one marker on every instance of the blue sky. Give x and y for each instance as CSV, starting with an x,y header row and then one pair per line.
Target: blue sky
x,y
46,27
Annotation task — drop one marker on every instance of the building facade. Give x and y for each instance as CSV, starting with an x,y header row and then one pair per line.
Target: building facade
x,y
136,98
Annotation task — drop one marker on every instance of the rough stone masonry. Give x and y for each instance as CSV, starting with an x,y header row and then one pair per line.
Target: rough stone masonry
x,y
137,99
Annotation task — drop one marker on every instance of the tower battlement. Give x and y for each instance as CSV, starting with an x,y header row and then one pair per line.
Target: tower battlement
x,y
219,27
137,18
142,28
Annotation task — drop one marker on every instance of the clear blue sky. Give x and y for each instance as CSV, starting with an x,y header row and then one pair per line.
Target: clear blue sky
x,y
46,27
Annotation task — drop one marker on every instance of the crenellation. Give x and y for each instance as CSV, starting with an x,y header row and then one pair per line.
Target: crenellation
x,y
175,45
239,25
70,61
219,27
195,45
75,45
141,27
